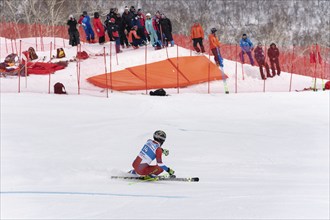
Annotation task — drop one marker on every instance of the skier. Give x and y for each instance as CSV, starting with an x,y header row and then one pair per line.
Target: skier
x,y
260,57
152,150
197,35
247,46
273,54
73,31
215,47
99,28
87,27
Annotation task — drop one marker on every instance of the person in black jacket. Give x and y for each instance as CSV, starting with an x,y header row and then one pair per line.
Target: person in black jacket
x,y
261,60
113,32
273,54
166,28
122,35
74,38
127,20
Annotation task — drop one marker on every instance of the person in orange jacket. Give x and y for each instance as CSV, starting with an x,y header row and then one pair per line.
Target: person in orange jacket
x,y
98,26
133,38
197,35
215,47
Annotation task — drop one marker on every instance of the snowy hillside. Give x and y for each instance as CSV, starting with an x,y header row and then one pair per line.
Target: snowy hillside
x,y
258,155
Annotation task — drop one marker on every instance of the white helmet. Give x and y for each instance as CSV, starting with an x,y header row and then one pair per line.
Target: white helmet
x,y
148,15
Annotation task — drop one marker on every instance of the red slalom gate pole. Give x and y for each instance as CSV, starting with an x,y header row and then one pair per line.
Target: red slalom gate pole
x,y
36,43
79,65
63,43
291,68
106,74
77,68
111,67
145,69
236,71
50,55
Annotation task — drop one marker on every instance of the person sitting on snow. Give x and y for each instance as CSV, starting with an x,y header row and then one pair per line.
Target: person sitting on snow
x,y
152,150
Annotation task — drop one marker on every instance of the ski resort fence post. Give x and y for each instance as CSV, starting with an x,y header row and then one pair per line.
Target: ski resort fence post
x,y
236,70
12,45
6,45
146,68
291,68
208,72
36,43
177,68
116,56
111,67
316,55
50,58
106,74
16,46
63,43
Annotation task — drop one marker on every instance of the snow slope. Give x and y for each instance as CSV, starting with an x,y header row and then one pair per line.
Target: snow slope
x,y
258,155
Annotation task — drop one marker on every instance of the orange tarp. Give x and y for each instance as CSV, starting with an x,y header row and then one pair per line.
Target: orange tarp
x,y
169,73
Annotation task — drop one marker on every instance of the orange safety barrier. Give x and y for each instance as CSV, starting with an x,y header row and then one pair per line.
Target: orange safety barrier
x,y
169,73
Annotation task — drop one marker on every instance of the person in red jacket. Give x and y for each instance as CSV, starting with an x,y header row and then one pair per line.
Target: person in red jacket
x,y
261,60
273,54
197,35
215,47
99,28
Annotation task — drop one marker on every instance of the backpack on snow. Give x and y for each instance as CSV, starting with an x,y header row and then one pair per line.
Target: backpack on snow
x,y
59,88
158,92
32,53
60,53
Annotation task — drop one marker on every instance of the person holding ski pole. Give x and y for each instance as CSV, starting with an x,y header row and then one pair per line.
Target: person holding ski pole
x,y
150,151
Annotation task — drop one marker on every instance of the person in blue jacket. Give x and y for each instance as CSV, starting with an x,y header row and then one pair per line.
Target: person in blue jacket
x,y
247,47
86,23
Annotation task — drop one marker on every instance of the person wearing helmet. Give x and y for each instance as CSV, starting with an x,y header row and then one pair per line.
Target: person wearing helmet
x,y
150,151
215,47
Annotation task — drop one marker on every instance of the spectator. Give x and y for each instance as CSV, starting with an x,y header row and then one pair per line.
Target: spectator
x,y
155,24
99,28
122,35
215,47
152,32
247,47
166,27
261,60
273,54
136,22
142,29
88,27
113,32
74,39
127,20
197,35
133,38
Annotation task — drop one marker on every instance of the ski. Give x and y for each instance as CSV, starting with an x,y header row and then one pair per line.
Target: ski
x,y
160,178
223,73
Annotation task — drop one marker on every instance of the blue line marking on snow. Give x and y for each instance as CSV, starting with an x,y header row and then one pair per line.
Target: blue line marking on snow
x,y
91,194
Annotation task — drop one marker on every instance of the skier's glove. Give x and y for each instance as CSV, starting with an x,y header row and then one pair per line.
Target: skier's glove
x,y
170,171
166,152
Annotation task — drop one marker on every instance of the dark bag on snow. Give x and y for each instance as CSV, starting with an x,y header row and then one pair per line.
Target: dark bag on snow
x,y
32,54
158,92
59,88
